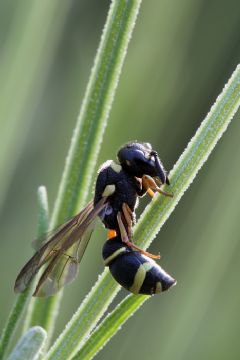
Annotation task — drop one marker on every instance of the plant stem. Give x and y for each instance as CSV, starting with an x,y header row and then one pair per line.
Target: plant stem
x,y
91,123
191,160
111,324
12,321
23,298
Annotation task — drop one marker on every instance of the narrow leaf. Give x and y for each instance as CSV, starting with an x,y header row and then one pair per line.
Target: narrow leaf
x,y
19,306
191,160
35,314
30,345
88,133
109,326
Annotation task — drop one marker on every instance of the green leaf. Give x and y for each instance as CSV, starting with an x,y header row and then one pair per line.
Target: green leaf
x,y
109,326
36,312
27,54
88,133
19,306
30,345
191,160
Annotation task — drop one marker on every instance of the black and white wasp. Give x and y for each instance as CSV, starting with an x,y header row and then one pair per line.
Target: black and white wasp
x,y
118,187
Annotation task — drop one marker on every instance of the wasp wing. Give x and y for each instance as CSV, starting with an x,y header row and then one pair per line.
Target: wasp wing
x,y
65,247
43,255
63,267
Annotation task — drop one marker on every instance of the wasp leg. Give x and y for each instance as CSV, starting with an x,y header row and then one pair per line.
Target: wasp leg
x,y
125,239
128,215
128,211
149,184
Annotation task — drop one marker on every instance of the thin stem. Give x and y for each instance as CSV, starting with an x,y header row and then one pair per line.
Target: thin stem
x,y
191,160
12,321
26,58
34,313
19,306
91,123
92,120
111,324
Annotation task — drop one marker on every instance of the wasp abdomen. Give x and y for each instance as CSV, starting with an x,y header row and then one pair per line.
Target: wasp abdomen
x,y
132,270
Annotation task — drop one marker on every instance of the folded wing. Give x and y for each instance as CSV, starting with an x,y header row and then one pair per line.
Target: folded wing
x,y
62,253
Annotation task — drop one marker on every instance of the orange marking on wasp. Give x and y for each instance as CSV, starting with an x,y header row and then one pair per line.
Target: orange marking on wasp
x,y
111,234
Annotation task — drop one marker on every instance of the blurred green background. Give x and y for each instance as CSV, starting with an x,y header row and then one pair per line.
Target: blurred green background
x,y
180,56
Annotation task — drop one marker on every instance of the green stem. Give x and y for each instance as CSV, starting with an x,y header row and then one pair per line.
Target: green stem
x,y
27,55
12,321
37,307
191,160
111,324
92,120
154,216
91,123
23,298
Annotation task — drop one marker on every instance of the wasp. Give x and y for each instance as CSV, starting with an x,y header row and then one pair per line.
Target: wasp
x,y
119,185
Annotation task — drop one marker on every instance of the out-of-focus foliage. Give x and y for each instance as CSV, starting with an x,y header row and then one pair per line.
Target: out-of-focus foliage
x,y
180,56
29,345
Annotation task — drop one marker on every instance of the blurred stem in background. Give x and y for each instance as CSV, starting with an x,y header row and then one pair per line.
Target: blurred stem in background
x,y
20,303
26,58
30,345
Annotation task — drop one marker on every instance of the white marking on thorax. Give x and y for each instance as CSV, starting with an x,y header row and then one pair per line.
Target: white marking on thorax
x,y
116,167
109,190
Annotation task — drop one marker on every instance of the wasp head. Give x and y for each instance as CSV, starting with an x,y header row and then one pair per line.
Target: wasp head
x,y
140,159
